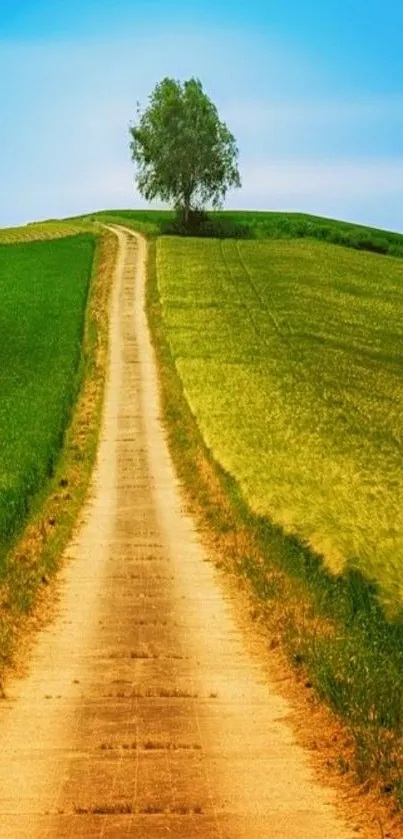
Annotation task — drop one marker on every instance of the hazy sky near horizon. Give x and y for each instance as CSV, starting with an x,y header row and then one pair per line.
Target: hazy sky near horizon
x,y
312,91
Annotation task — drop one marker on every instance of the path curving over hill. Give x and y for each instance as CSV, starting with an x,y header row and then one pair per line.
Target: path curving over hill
x,y
144,715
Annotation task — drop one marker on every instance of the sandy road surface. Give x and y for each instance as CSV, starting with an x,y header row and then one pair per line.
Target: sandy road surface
x,y
143,714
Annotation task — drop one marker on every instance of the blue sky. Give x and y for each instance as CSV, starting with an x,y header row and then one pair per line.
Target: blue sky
x,y
312,91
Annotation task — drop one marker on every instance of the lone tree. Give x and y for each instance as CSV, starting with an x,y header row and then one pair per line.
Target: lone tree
x,y
184,153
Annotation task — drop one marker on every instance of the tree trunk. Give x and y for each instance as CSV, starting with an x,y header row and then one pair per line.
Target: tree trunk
x,y
186,212
187,196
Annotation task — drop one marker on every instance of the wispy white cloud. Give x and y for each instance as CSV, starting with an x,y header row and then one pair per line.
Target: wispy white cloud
x,y
368,192
315,128
329,178
271,112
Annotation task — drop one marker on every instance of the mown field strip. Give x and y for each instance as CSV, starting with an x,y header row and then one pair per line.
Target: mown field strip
x,y
291,358
43,231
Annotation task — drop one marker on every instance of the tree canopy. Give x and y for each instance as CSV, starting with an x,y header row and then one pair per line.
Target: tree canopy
x,y
184,154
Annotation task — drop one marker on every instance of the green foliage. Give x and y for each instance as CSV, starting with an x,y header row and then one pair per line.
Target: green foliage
x,y
298,225
290,356
185,155
43,294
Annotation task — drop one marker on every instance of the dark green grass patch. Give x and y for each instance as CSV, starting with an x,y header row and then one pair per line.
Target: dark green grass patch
x,y
265,225
43,295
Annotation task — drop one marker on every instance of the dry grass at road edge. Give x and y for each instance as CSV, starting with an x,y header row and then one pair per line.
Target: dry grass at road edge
x,y
36,556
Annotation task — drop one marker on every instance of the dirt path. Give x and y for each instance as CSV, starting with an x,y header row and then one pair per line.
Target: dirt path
x,y
144,715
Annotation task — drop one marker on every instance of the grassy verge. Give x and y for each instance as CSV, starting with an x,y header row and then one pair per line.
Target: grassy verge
x,y
36,555
333,627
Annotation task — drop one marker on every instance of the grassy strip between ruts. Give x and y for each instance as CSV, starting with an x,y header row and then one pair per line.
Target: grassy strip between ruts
x,y
333,628
36,555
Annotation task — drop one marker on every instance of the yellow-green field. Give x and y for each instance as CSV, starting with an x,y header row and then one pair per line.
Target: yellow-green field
x,y
43,231
291,357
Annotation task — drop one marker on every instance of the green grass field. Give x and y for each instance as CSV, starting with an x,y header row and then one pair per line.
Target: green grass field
x,y
291,358
43,294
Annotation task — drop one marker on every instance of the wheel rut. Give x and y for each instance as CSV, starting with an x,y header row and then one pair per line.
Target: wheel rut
x,y
143,713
